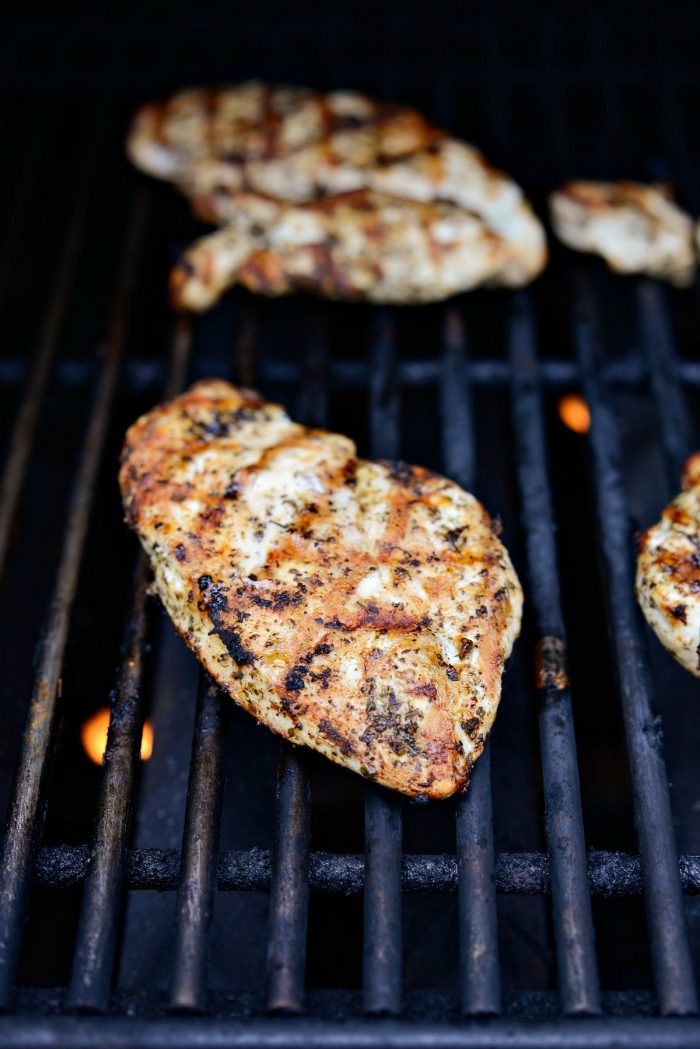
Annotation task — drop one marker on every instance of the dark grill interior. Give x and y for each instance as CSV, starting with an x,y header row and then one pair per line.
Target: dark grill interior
x,y
187,899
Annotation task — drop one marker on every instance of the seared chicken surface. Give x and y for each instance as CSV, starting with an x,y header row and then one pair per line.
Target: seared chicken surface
x,y
364,609
286,141
226,147
635,228
668,572
360,245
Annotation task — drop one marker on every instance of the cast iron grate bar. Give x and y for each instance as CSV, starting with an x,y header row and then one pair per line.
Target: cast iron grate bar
x,y
382,929
670,949
516,873
143,373
289,887
25,814
573,921
626,372
197,874
200,836
22,439
200,851
121,1032
675,427
96,940
99,915
480,977
382,942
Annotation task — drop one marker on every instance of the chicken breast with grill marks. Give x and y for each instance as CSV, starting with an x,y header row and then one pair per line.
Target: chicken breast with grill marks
x,y
668,572
227,147
636,228
360,245
364,609
286,141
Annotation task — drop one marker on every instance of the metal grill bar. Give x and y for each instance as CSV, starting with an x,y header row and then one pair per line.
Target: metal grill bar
x,y
25,815
200,839
200,846
478,921
289,895
22,438
558,373
520,873
97,931
479,963
289,888
674,421
670,949
456,404
382,959
182,1033
96,942
312,405
96,939
382,939
573,921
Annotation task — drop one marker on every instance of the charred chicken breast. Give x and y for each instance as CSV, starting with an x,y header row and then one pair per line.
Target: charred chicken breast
x,y
636,228
364,609
668,572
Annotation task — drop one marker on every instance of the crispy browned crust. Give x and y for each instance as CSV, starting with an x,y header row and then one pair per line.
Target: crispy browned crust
x,y
362,609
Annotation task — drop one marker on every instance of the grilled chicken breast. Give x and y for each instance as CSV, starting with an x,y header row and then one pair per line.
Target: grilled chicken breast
x,y
636,228
360,245
668,572
364,609
223,147
241,136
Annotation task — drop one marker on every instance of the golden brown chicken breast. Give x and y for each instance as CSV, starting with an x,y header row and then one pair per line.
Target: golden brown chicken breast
x,y
364,609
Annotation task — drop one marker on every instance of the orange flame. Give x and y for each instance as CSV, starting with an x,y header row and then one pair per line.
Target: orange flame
x,y
93,736
574,413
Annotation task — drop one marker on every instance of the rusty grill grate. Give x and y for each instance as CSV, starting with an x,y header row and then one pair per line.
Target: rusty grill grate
x,y
523,370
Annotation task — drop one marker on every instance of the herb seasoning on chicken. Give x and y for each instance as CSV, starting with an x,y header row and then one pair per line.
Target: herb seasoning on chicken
x,y
364,609
332,188
668,572
360,245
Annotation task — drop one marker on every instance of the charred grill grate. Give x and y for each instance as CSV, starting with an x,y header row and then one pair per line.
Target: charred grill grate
x,y
455,378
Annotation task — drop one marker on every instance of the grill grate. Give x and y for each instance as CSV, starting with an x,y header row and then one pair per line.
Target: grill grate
x,y
453,370
573,922
668,935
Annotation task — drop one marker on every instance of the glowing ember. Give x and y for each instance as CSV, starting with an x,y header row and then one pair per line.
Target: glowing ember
x,y
93,736
574,413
